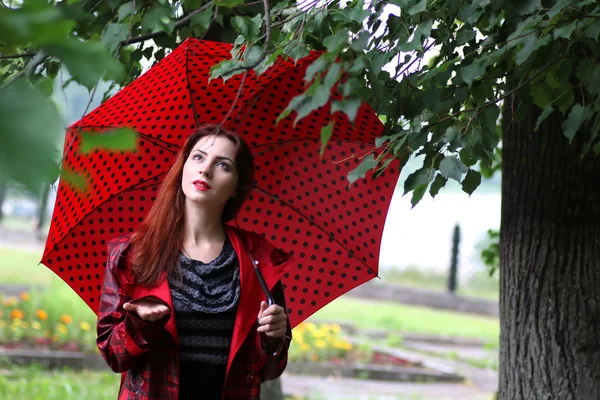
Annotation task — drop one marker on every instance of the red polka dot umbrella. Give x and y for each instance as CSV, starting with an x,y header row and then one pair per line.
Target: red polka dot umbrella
x,y
301,202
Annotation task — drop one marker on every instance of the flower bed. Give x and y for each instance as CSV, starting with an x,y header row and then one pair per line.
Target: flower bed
x,y
325,350
24,324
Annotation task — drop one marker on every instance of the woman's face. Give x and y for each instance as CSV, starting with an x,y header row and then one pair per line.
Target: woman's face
x,y
209,174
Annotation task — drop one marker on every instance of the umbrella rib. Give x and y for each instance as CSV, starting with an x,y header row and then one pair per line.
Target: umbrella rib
x,y
156,141
281,144
277,198
187,79
129,189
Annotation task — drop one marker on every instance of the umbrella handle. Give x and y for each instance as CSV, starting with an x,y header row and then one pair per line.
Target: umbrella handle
x,y
261,280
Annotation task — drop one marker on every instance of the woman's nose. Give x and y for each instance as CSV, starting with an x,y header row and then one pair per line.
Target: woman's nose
x,y
204,172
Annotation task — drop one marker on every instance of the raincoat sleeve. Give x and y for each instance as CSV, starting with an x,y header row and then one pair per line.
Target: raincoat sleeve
x,y
274,355
122,336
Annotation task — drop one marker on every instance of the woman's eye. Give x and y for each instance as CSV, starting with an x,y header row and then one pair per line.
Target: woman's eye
x,y
224,165
197,157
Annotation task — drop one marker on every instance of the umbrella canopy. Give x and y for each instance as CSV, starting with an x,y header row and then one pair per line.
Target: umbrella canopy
x,y
301,202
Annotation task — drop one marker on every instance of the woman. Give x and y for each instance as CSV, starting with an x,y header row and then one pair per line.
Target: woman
x,y
179,305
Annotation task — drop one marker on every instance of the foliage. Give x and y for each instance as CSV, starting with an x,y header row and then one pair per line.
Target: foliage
x,y
398,319
490,254
323,342
34,382
25,323
437,72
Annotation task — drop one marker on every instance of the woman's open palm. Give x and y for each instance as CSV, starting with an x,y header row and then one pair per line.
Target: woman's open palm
x,y
147,310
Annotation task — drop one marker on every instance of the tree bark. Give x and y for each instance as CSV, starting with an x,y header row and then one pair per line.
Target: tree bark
x,y
550,264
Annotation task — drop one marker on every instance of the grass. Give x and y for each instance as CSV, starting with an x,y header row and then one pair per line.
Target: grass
x,y
479,285
18,266
21,267
396,317
34,382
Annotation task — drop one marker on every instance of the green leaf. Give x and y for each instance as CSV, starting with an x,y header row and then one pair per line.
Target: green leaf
x,y
52,69
467,157
545,114
248,27
360,172
296,50
381,140
419,178
360,44
451,134
558,7
452,168
158,19
73,179
87,62
418,194
281,5
333,75
541,94
335,43
592,29
201,22
438,183
420,7
566,98
114,34
318,99
465,35
552,80
223,69
349,107
315,67
530,44
228,3
31,132
125,11
118,139
470,72
35,22
326,132
577,116
565,31
252,55
471,181
528,6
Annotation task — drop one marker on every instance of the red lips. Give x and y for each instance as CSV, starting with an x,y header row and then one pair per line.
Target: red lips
x,y
201,185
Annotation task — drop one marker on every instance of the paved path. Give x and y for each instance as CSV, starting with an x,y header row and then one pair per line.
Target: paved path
x,y
332,388
20,239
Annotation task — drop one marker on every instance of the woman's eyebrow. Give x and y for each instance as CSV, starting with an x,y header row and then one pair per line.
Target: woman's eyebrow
x,y
218,157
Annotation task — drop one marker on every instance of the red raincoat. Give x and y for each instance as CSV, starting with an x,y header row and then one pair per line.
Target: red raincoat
x,y
146,353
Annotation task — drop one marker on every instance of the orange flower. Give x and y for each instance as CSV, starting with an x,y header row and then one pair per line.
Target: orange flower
x,y
41,314
24,296
66,319
17,314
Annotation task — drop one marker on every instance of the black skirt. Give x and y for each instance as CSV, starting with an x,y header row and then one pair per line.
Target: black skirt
x,y
201,381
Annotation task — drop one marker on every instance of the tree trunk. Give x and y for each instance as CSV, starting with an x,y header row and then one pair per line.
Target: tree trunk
x,y
550,264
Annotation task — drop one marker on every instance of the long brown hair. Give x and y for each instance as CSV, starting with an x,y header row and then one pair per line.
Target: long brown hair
x,y
157,242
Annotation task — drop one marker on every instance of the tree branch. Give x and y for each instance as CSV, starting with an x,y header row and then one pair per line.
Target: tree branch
x,y
492,102
183,21
29,69
24,55
265,45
